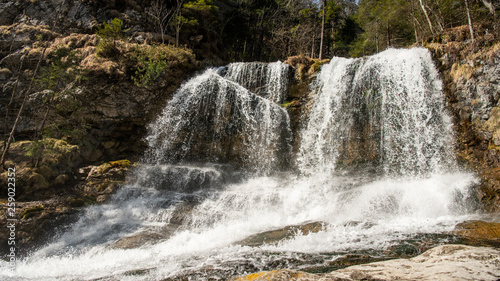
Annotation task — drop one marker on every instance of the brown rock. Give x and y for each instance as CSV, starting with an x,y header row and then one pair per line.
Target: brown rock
x,y
448,262
277,235
479,230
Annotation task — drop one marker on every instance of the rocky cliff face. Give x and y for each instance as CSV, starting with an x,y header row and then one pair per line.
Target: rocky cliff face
x,y
82,108
73,16
471,75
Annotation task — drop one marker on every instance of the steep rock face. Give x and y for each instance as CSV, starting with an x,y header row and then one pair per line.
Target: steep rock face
x,y
471,75
96,114
448,262
103,111
70,16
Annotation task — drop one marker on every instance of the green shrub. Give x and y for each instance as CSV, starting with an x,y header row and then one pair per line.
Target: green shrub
x,y
31,212
151,62
109,33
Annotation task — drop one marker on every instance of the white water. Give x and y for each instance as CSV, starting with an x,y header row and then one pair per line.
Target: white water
x,y
212,119
393,101
221,206
269,80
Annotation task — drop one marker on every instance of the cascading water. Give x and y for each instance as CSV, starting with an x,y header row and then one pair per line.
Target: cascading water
x,y
269,80
387,110
212,119
184,217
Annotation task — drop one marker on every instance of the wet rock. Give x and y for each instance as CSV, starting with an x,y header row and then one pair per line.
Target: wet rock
x,y
103,181
274,236
479,232
37,223
471,85
448,262
138,240
186,178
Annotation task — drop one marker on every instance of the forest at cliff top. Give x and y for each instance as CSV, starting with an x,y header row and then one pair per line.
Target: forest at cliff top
x,y
266,30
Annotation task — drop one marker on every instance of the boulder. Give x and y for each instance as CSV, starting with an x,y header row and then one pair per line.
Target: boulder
x,y
447,262
274,236
479,232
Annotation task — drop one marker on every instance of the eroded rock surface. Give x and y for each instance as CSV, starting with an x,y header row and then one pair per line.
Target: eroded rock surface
x,y
448,262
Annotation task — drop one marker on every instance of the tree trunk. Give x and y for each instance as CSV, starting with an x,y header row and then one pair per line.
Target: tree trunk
x,y
388,36
13,94
322,32
178,28
414,21
470,20
490,6
312,45
16,122
427,16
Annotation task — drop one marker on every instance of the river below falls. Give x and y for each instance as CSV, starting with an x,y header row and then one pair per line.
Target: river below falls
x,y
204,234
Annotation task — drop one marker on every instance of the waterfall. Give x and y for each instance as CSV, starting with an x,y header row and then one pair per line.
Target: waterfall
x,y
268,80
212,119
387,110
216,175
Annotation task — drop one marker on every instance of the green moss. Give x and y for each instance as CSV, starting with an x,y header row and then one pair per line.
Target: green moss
x,y
113,164
83,201
61,179
104,185
121,163
31,212
285,104
104,168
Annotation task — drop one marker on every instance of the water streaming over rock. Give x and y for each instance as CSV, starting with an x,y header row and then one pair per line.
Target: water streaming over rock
x,y
213,200
387,110
212,119
268,80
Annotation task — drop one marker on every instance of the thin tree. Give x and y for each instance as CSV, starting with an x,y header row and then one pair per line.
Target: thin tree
x,y
427,16
322,32
179,21
470,20
18,117
161,14
491,7
414,21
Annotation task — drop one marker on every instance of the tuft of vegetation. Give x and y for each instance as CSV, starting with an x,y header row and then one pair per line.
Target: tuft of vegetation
x,y
109,33
31,212
103,168
83,201
151,62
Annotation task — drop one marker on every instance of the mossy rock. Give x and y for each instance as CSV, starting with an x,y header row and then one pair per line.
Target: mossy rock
x,y
113,164
103,168
103,186
31,212
82,201
61,179
38,182
31,180
46,171
60,152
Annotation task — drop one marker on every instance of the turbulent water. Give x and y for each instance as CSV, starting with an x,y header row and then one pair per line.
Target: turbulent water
x,y
387,110
375,167
212,119
269,80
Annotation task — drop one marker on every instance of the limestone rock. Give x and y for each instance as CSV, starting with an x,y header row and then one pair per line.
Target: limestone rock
x,y
274,236
447,262
479,230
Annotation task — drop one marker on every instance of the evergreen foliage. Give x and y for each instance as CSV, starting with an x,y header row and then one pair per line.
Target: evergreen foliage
x,y
267,30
